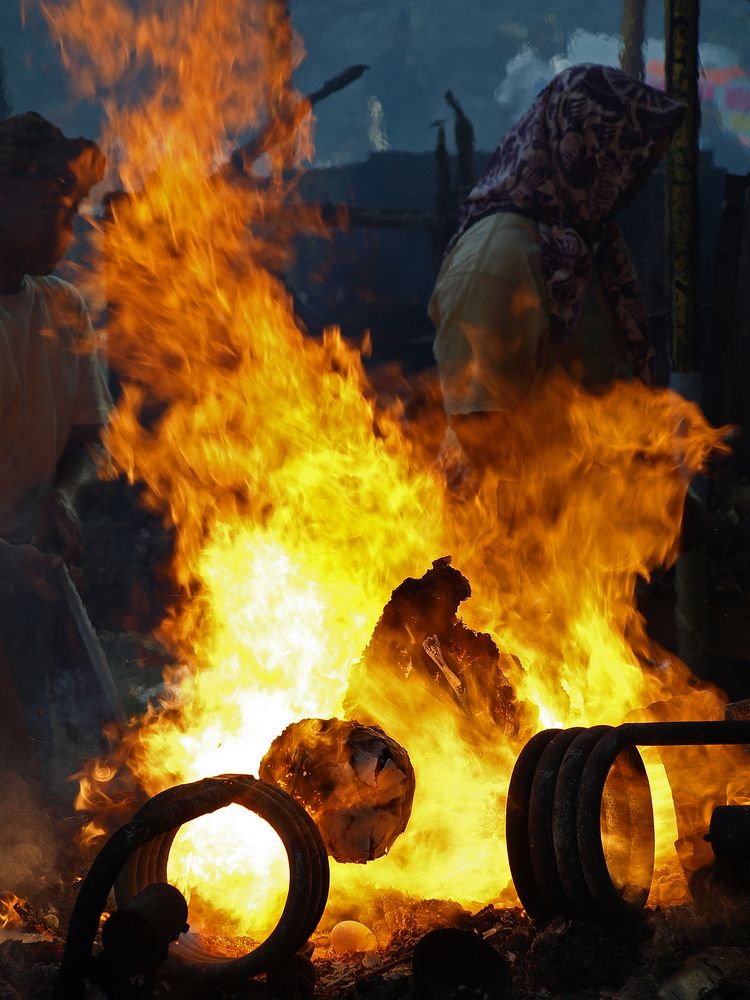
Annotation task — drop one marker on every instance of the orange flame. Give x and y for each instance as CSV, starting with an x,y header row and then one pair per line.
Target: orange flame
x,y
9,915
299,505
92,795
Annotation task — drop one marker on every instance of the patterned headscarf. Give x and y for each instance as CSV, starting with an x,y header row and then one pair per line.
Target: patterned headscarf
x,y
584,146
30,146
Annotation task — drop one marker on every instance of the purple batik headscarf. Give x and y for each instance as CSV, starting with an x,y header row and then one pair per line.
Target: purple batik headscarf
x,y
588,140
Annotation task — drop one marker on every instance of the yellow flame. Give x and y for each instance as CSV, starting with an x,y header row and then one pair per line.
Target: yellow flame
x,y
299,503
9,915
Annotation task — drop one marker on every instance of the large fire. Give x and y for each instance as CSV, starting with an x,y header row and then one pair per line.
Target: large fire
x,y
299,501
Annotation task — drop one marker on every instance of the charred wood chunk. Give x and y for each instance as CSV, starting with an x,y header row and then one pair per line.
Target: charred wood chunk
x,y
293,980
417,609
419,630
355,782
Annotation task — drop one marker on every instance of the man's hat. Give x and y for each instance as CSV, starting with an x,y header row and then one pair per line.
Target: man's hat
x,y
30,146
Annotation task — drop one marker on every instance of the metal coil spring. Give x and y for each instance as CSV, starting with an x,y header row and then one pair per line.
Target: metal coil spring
x,y
579,821
137,856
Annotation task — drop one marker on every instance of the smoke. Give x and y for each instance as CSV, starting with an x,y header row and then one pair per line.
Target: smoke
x,y
29,844
377,133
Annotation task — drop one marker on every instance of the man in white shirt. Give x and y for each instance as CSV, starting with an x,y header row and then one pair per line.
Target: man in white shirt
x,y
53,402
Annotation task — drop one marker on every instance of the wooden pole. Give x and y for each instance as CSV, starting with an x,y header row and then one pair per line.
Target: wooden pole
x,y
633,38
681,73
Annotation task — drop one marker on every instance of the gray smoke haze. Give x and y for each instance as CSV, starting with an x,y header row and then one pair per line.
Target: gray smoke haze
x,y
29,848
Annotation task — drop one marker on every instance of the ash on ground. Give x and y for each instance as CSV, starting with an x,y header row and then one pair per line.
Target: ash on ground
x,y
680,953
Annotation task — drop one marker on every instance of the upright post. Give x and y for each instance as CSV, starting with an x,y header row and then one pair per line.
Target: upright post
x,y
681,73
633,38
682,219
5,103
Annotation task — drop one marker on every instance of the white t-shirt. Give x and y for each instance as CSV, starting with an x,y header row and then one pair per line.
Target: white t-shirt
x,y
50,381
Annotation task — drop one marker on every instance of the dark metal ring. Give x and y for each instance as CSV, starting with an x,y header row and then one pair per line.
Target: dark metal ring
x,y
517,823
555,845
564,820
615,760
137,854
568,788
541,821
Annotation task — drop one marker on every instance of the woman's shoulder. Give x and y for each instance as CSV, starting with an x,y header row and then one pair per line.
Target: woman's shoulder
x,y
501,245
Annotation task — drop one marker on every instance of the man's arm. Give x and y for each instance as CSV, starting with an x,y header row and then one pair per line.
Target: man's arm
x,y
24,570
59,527
77,465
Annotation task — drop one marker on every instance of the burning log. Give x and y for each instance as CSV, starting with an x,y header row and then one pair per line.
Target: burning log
x,y
419,631
355,782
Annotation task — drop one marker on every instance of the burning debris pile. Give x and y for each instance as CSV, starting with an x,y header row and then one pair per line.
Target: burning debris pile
x,y
419,631
355,781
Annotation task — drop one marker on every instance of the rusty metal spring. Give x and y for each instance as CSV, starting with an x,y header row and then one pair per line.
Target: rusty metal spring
x,y
579,821
136,856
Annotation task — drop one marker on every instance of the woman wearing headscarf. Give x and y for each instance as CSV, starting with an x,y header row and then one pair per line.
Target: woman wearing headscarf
x,y
538,277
